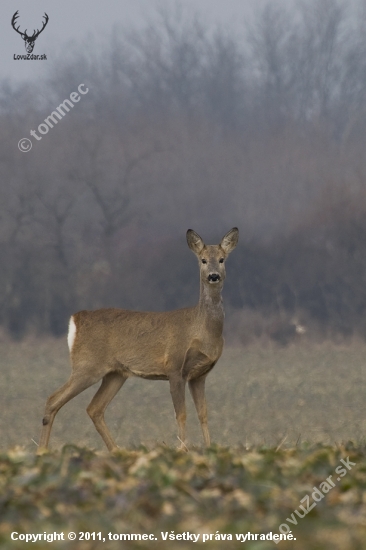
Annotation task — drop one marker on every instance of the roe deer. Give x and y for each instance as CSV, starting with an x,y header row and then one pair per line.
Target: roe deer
x,y
179,346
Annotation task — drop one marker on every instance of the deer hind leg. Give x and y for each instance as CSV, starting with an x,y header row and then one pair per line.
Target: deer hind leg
x,y
111,384
177,391
75,385
197,389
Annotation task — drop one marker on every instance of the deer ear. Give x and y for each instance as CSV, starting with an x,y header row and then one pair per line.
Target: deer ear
x,y
194,241
230,240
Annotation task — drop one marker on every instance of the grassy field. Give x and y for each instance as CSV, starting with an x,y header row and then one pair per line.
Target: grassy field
x,y
222,492
256,396
282,419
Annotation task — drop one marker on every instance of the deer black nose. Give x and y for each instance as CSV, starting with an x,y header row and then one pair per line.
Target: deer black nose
x,y
214,277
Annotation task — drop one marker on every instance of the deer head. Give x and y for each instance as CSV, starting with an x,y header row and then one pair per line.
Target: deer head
x,y
28,40
211,258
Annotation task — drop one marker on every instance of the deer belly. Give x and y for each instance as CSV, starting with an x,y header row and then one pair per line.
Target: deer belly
x,y
148,370
152,376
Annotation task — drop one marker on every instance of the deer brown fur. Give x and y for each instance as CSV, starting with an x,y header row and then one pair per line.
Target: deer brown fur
x,y
179,346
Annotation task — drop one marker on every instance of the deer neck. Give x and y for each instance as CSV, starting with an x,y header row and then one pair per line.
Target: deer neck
x,y
210,309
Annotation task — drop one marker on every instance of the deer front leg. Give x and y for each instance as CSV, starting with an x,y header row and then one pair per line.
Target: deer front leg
x,y
197,389
177,391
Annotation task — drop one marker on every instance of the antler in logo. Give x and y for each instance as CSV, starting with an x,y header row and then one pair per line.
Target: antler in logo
x,y
28,40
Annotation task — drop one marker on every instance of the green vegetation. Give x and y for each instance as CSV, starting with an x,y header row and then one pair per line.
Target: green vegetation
x,y
225,490
278,414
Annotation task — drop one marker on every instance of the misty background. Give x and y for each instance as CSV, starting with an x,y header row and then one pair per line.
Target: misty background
x,y
191,122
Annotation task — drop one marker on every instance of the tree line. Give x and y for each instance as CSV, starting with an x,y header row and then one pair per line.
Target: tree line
x,y
188,126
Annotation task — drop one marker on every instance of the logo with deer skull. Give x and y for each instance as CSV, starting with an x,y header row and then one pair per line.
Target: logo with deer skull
x,y
28,40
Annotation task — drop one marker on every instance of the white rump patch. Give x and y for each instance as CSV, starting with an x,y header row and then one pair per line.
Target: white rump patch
x,y
72,333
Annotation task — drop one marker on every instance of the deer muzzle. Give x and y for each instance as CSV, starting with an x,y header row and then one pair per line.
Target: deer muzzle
x,y
214,278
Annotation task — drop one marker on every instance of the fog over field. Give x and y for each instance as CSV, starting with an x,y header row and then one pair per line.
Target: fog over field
x,y
184,121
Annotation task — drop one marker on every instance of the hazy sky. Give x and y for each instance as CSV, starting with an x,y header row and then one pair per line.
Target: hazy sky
x,y
71,21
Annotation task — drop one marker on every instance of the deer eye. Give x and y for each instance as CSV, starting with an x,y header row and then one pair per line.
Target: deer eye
x,y
204,261
221,260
